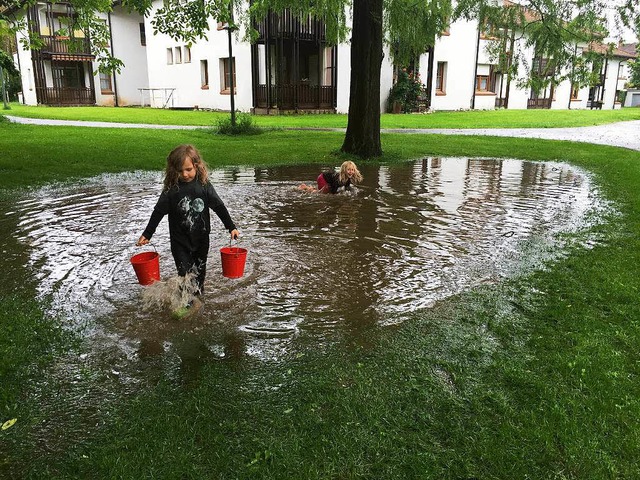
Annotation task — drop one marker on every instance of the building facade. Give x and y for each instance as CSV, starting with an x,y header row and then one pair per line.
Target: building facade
x,y
290,68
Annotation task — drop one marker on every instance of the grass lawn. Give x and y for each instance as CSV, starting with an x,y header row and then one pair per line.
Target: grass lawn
x,y
469,119
536,377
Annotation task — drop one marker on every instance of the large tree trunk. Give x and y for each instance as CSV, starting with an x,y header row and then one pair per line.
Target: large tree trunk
x,y
363,128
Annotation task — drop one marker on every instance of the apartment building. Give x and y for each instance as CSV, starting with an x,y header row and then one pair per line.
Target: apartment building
x,y
290,68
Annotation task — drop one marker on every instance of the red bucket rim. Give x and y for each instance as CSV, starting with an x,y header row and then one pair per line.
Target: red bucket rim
x,y
144,257
233,250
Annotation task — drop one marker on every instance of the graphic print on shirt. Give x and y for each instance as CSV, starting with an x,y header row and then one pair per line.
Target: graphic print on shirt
x,y
191,211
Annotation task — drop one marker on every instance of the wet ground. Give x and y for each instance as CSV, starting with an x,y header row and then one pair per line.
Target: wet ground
x,y
320,268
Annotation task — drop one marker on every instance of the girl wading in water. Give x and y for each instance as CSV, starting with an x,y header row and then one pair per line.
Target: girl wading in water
x,y
187,197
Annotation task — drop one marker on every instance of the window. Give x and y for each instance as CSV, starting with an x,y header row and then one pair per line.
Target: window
x,y
575,89
204,74
441,78
328,66
169,56
543,67
485,78
68,75
178,55
143,35
106,86
225,80
488,31
482,83
187,54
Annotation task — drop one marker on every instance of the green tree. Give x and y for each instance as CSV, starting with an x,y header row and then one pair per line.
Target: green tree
x,y
8,71
634,80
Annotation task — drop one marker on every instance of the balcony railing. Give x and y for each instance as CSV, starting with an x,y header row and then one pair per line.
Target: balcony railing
x,y
539,103
65,96
73,46
289,97
287,25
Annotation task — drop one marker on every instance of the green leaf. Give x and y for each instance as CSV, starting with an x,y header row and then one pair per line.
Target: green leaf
x,y
9,423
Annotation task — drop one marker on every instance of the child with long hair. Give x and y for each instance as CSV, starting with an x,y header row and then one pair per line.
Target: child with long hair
x,y
187,197
334,182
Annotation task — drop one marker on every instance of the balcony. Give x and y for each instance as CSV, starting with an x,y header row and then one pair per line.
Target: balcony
x,y
539,103
286,25
296,97
65,96
64,46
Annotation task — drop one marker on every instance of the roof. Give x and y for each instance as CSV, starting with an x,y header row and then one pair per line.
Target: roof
x,y
630,48
616,51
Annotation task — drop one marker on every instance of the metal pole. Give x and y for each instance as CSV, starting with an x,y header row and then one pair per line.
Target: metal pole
x,y
231,85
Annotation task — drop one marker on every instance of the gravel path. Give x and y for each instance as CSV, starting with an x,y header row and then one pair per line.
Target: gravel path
x,y
621,134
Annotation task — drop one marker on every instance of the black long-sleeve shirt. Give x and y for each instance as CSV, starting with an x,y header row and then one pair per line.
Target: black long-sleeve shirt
x,y
333,179
187,205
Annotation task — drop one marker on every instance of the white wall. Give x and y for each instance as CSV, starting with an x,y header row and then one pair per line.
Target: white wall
x,y
23,58
126,44
186,77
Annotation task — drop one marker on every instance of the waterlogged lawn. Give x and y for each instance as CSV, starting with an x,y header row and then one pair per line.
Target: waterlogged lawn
x,y
531,378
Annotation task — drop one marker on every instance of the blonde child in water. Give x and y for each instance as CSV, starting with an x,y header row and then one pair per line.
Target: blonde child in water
x,y
186,198
333,182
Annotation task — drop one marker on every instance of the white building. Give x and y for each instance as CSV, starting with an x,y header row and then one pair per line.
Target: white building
x,y
289,68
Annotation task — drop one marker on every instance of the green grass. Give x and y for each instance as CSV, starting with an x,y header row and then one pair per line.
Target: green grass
x,y
469,119
537,377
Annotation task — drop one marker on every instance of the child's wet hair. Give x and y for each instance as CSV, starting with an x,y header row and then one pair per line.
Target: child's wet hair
x,y
357,176
176,158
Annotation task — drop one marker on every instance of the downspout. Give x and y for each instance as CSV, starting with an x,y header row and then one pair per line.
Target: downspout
x,y
115,83
430,75
475,69
604,77
573,69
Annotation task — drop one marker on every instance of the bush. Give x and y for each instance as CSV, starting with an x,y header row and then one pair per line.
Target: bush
x,y
244,125
406,92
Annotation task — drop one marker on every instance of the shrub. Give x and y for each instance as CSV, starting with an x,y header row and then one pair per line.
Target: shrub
x,y
244,125
406,92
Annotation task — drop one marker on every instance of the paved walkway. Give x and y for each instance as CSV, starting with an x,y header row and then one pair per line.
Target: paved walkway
x,y
621,134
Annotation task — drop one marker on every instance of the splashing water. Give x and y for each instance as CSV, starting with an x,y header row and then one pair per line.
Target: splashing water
x,y
170,294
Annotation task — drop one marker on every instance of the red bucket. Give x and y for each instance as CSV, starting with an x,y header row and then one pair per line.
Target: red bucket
x,y
147,267
233,260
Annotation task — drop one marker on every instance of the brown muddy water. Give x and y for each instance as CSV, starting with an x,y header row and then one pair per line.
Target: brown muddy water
x,y
320,267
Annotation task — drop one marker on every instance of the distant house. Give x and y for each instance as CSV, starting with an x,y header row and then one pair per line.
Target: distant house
x,y
290,68
64,71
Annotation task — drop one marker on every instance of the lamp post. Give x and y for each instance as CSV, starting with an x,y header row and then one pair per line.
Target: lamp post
x,y
230,27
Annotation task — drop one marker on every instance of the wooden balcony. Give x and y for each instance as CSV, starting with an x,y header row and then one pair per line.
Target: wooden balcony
x,y
63,45
296,97
285,25
539,103
65,96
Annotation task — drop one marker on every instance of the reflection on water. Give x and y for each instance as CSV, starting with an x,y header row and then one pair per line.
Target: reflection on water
x,y
319,266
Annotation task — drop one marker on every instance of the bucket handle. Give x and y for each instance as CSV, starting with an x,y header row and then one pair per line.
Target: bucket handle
x,y
149,244
237,245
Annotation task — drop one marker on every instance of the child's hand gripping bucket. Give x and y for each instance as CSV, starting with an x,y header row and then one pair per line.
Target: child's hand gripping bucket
x,y
147,267
233,260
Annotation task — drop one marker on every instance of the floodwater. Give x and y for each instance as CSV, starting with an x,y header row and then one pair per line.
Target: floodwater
x,y
319,267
